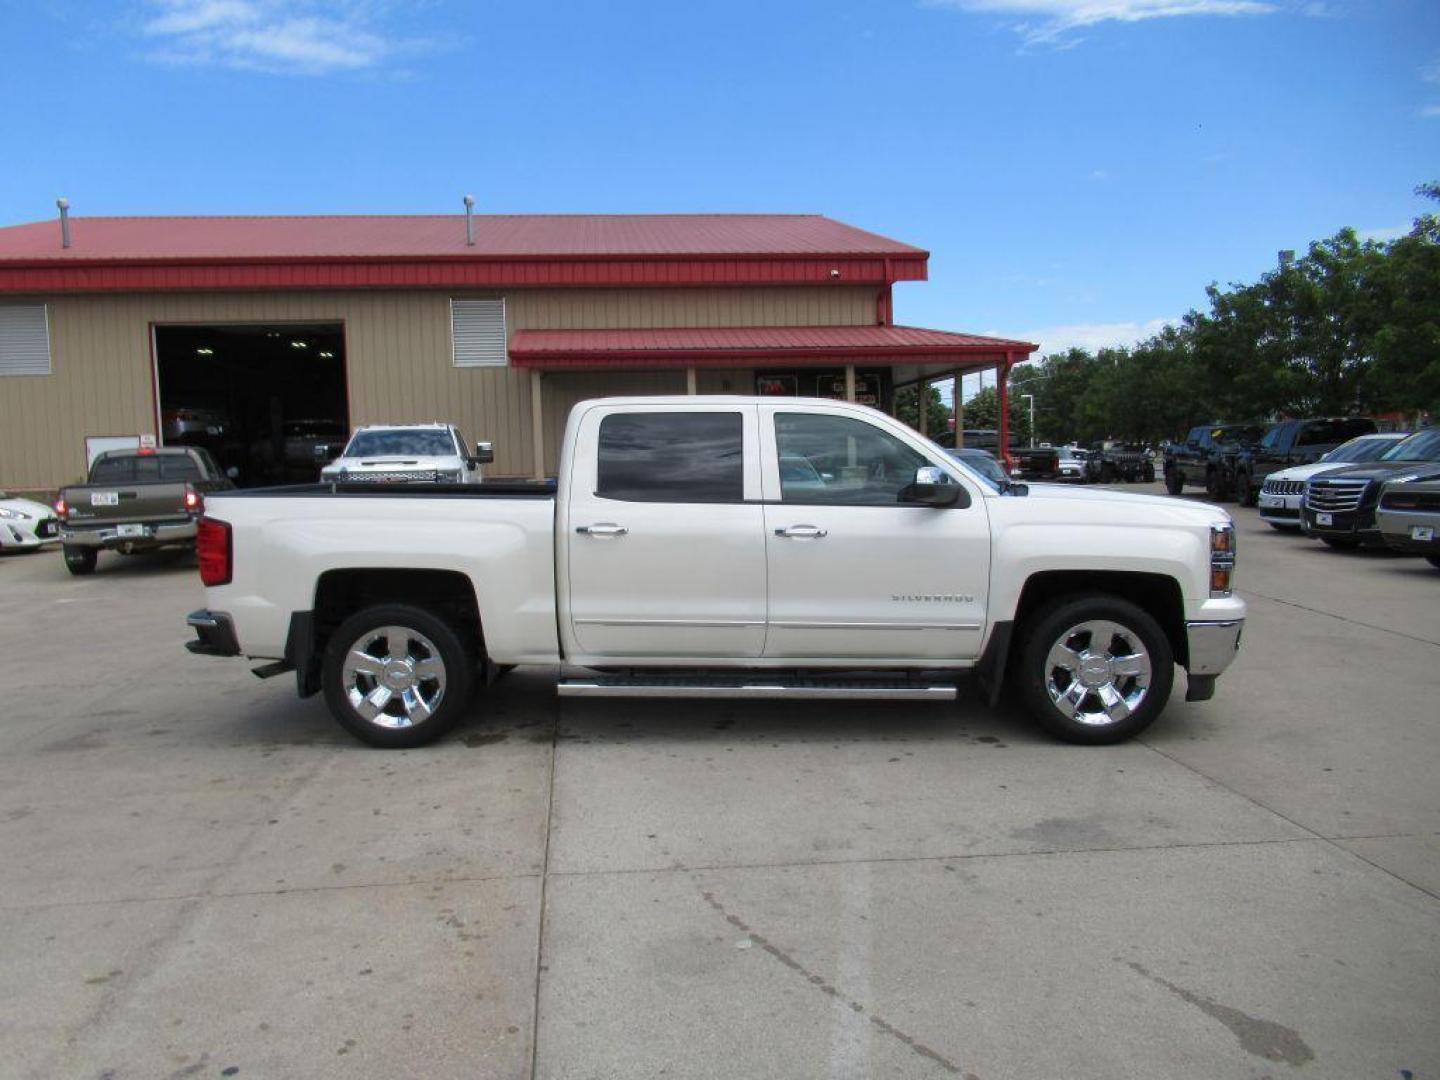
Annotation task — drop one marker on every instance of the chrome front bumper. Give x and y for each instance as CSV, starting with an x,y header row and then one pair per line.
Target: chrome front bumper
x,y
1213,645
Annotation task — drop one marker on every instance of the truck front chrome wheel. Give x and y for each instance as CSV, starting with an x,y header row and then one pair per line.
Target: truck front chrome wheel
x,y
1098,672
1094,668
394,676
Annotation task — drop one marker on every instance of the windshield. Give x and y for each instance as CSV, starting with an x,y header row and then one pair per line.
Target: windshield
x,y
983,465
422,443
1365,448
1422,446
1244,434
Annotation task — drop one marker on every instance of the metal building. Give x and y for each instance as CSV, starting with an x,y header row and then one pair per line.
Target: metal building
x,y
258,333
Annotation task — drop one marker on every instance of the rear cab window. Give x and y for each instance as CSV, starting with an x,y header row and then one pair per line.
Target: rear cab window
x,y
116,470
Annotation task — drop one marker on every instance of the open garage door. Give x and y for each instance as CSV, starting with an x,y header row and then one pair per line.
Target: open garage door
x,y
261,398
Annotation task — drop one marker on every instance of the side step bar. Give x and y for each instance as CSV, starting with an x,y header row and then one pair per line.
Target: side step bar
x,y
758,687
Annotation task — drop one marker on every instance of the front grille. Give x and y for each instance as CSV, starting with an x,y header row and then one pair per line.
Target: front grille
x,y
1335,495
426,476
1425,501
1283,487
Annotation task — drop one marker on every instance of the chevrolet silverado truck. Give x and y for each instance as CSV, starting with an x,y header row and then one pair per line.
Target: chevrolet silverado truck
x,y
725,547
136,500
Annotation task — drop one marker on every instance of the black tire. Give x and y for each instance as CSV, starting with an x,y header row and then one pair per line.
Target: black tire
x,y
1433,560
427,636
80,560
1216,490
1340,543
1039,683
1174,482
1247,495
1283,528
1107,474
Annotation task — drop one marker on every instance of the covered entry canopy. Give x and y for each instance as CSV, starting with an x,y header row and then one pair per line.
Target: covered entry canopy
x,y
913,354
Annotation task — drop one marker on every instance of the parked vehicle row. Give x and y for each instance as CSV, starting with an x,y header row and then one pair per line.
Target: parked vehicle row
x,y
25,523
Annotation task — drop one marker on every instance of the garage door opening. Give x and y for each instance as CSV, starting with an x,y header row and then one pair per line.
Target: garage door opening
x,y
262,399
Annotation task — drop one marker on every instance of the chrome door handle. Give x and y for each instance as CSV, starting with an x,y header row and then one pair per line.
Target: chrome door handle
x,y
803,532
602,528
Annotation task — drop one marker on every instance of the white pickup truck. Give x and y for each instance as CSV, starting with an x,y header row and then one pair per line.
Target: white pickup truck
x,y
725,547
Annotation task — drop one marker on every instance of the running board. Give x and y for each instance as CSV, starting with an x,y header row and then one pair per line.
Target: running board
x,y
794,689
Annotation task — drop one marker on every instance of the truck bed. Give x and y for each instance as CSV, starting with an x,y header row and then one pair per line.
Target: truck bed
x,y
489,489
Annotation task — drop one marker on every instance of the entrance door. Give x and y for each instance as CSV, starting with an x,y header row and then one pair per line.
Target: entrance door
x,y
852,572
665,556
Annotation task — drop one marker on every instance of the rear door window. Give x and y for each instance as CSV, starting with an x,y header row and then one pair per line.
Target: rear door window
x,y
678,456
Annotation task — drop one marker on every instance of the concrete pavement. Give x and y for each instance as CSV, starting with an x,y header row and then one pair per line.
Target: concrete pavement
x,y
203,876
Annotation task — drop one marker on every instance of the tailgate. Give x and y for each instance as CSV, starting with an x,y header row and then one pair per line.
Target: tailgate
x,y
101,504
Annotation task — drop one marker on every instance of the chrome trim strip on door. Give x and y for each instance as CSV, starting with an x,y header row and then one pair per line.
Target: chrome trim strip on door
x,y
666,622
873,626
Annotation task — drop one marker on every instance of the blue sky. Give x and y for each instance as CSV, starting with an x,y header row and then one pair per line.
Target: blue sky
x,y
1079,169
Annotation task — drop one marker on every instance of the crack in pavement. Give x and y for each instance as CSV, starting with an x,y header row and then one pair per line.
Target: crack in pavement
x,y
825,987
1341,618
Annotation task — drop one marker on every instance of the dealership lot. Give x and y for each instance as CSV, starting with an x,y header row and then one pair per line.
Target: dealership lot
x,y
204,876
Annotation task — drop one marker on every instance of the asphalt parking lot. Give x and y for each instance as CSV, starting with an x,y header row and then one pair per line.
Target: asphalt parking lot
x,y
203,876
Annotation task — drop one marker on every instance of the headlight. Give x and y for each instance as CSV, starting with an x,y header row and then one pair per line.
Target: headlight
x,y
1222,559
13,515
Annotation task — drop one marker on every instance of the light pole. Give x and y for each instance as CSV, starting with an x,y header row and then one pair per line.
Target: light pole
x,y
1031,398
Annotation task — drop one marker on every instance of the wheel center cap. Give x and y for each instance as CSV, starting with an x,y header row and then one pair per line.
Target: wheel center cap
x,y
399,675
1095,671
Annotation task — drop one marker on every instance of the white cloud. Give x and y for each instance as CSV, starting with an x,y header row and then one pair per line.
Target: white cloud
x,y
1058,18
291,37
1430,111
1380,236
1092,336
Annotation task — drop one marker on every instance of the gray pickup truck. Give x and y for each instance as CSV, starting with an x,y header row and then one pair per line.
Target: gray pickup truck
x,y
136,500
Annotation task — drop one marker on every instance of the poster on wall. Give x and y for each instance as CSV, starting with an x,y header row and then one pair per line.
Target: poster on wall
x,y
867,388
777,386
95,445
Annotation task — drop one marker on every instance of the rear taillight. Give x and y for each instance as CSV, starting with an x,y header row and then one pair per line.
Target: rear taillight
x,y
60,507
193,499
213,549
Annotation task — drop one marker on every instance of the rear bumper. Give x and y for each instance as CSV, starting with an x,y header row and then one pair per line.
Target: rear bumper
x,y
156,534
214,634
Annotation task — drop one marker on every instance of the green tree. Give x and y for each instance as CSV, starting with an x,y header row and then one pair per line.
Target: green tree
x,y
937,413
982,411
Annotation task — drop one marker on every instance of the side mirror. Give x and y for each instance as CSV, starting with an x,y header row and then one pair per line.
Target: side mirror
x,y
484,453
931,487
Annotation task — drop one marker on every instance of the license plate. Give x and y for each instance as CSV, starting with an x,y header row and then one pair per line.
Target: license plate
x,y
1422,532
1324,519
104,498
130,530
1271,500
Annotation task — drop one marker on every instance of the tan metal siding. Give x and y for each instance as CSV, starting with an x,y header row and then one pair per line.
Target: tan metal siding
x,y
398,360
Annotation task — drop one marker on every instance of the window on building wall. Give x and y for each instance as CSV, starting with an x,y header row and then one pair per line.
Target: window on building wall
x,y
24,340
477,333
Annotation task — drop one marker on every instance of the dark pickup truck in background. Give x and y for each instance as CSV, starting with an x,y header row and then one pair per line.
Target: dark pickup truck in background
x,y
136,500
1210,457
1293,442
1130,462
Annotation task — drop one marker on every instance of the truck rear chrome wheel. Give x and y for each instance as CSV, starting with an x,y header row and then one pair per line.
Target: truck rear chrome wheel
x,y
396,676
1094,668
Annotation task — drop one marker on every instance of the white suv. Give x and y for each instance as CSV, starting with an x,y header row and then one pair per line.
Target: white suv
x,y
409,453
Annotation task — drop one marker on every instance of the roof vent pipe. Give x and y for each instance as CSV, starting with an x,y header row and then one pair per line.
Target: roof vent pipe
x,y
469,220
64,205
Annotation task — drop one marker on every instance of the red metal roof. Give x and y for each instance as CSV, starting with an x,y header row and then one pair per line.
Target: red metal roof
x,y
710,346
497,236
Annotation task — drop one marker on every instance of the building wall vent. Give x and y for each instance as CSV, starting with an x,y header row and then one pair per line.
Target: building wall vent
x,y
477,333
24,339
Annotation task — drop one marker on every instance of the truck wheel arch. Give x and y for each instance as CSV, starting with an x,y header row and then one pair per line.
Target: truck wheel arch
x,y
1158,595
447,594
